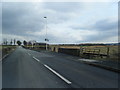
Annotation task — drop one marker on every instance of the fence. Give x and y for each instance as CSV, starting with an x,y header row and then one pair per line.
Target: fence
x,y
70,51
85,52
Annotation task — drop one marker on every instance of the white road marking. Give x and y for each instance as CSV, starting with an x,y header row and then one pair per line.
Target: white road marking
x,y
36,59
4,57
88,60
29,54
60,76
64,79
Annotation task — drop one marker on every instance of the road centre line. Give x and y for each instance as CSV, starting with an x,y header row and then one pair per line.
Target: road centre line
x,y
29,54
60,76
36,59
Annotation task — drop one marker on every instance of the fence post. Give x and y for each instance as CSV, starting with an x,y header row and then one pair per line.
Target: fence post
x,y
80,51
108,49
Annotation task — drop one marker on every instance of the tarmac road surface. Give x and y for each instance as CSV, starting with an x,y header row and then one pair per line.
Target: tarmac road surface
x,y
30,69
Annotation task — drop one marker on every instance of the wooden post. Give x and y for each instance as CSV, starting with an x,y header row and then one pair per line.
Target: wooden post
x,y
108,49
80,51
99,52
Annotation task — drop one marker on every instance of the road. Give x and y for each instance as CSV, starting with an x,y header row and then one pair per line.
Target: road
x,y
30,69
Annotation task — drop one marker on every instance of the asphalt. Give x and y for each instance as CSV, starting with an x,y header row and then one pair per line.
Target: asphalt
x,y
0,75
26,68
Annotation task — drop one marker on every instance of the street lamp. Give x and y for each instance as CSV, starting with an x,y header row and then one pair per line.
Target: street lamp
x,y
46,32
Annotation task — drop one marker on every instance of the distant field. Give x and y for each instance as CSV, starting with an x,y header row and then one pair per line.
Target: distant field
x,y
0,47
36,46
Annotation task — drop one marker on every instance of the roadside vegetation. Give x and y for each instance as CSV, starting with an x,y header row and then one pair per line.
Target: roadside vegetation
x,y
9,46
97,52
88,50
6,49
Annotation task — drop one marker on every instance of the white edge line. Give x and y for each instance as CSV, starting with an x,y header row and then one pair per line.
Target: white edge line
x,y
36,59
4,57
64,79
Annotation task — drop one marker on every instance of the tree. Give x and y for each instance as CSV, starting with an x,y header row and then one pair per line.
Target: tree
x,y
11,42
5,41
25,42
19,42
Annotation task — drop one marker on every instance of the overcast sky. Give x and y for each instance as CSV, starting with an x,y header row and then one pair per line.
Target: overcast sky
x,y
67,22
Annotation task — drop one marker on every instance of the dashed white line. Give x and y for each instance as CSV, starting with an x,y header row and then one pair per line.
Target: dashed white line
x,y
36,59
29,54
60,76
64,79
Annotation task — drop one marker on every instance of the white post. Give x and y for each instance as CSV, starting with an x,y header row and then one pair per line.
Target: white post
x,y
32,44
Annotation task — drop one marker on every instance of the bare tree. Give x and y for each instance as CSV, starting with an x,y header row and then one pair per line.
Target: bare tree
x,y
5,41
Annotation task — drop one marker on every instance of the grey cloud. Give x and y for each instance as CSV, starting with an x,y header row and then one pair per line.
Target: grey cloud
x,y
21,18
106,29
61,11
79,27
101,25
17,19
0,16
102,35
63,6
105,25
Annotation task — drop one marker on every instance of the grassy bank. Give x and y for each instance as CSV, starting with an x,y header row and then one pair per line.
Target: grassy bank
x,y
6,49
